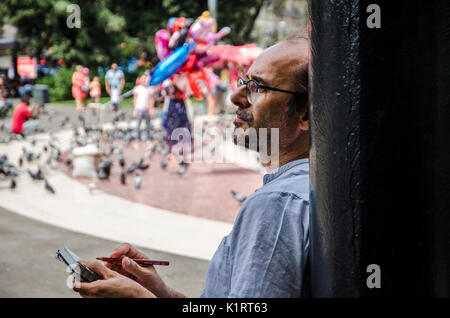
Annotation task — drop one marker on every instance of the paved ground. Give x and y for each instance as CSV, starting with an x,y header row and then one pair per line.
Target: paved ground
x,y
196,193
28,267
27,247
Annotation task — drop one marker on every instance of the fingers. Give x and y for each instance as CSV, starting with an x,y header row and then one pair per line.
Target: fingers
x,y
127,250
120,270
133,268
122,249
86,290
98,268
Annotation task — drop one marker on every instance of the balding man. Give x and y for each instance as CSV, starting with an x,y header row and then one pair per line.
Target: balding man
x,y
266,253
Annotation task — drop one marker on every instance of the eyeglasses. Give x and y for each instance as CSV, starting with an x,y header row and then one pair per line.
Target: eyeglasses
x,y
253,89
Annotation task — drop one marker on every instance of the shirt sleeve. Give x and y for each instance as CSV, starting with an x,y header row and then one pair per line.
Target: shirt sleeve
x,y
269,246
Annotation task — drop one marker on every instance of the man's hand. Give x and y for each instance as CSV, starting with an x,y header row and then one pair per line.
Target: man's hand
x,y
146,276
110,285
135,113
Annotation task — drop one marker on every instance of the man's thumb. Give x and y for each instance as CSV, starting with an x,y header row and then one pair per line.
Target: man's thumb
x,y
132,267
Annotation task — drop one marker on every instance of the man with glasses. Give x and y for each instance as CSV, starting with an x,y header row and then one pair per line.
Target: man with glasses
x,y
266,254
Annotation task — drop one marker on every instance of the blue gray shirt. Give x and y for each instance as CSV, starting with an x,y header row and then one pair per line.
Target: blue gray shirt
x,y
266,253
114,78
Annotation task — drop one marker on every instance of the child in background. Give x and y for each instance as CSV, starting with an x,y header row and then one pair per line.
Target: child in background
x,y
144,102
95,90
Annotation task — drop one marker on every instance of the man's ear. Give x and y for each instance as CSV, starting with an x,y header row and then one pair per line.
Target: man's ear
x,y
304,121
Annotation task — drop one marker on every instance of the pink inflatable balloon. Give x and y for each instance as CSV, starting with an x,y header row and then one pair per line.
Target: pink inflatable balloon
x,y
162,38
212,38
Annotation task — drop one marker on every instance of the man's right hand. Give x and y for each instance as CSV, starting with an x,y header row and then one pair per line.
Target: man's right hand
x,y
146,276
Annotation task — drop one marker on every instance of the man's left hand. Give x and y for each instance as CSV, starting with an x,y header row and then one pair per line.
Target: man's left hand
x,y
110,285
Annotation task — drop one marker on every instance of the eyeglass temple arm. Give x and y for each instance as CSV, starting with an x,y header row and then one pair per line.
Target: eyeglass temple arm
x,y
280,90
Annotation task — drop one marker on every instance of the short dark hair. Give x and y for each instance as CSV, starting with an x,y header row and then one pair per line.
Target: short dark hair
x,y
25,98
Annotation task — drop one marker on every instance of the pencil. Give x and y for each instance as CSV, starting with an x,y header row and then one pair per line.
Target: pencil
x,y
142,262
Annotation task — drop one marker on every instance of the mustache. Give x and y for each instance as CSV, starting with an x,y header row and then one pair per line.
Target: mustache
x,y
245,116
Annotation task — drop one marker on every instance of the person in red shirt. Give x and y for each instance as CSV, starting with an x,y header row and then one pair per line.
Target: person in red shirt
x,y
22,114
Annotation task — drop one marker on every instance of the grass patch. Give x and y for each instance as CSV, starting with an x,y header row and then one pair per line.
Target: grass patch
x,y
126,103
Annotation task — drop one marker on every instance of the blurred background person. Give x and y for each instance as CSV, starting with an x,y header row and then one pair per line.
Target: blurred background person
x,y
114,84
176,116
95,89
21,123
78,93
144,102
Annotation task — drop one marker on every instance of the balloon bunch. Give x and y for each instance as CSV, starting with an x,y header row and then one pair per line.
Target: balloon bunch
x,y
184,48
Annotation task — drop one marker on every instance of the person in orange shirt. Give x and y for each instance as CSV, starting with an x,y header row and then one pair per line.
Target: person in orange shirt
x,y
79,92
95,90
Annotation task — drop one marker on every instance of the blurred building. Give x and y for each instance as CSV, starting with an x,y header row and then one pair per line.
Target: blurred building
x,y
279,19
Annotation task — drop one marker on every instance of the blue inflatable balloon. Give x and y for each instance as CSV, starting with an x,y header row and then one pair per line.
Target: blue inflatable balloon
x,y
167,67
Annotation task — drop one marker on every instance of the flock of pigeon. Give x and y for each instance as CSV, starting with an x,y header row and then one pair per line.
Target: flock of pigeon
x,y
115,140
11,171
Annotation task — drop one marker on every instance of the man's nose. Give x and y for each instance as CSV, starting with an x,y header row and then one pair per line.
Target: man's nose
x,y
239,97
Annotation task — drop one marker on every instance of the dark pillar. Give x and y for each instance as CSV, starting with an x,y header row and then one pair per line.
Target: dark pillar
x,y
380,148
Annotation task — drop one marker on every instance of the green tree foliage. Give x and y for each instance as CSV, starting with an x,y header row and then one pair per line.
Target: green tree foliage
x,y
105,24
43,26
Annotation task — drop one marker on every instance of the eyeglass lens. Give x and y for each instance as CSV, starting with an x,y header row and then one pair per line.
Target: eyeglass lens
x,y
251,89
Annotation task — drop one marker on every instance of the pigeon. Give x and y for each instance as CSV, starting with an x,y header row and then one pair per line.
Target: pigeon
x,y
13,184
119,116
164,152
238,197
182,170
143,166
128,137
3,159
68,161
132,168
3,171
148,154
105,166
75,131
36,176
33,142
64,122
83,121
164,164
137,181
123,178
50,115
45,148
56,154
102,175
121,161
48,187
29,156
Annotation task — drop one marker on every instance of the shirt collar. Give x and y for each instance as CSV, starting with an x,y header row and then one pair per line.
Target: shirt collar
x,y
281,170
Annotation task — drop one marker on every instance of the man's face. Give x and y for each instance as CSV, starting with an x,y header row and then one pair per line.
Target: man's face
x,y
114,67
270,110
